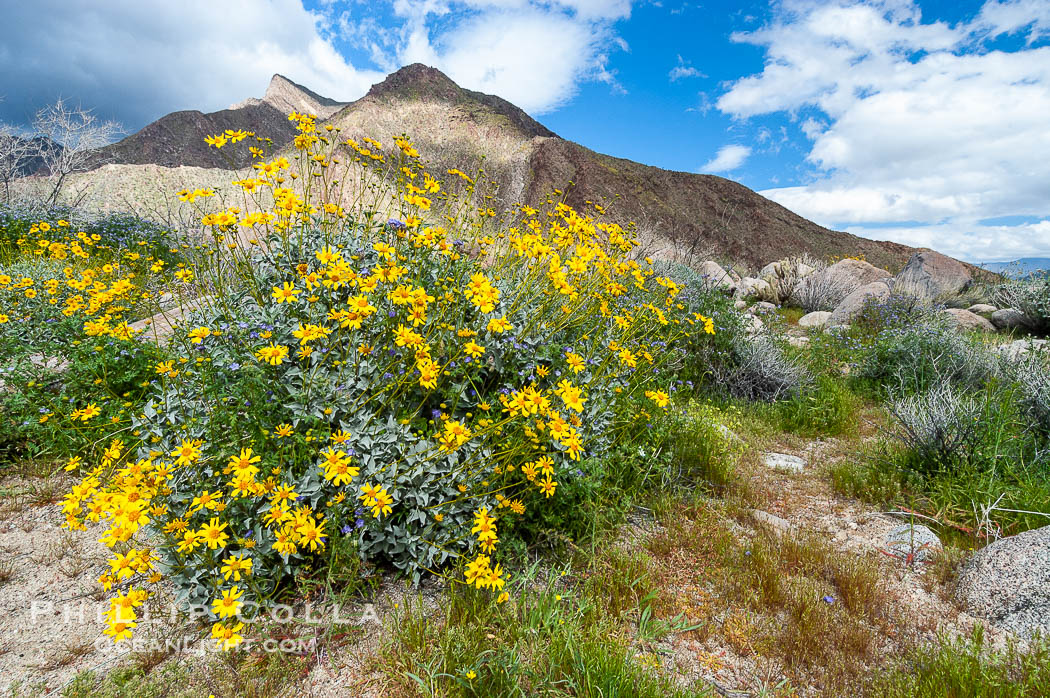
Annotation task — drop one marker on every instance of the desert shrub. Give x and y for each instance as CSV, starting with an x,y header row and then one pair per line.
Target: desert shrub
x,y
894,313
940,428
62,391
758,368
403,384
697,296
923,352
64,233
958,451
819,291
786,276
734,361
1032,378
1031,297
977,292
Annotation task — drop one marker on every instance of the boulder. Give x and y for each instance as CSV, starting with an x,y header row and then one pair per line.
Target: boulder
x,y
1008,583
930,274
750,287
769,269
852,304
965,320
714,276
802,270
1018,349
832,284
740,304
1008,319
982,308
913,543
752,324
784,461
818,318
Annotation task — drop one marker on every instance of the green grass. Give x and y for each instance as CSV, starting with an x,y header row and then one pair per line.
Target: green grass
x,y
830,408
791,315
968,668
551,637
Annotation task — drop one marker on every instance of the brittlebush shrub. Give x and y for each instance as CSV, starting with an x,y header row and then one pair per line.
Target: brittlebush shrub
x,y
412,383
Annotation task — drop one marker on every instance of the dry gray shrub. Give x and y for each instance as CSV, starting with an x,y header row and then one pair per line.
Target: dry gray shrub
x,y
940,427
759,369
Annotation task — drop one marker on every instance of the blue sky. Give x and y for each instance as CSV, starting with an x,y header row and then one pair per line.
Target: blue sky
x,y
921,122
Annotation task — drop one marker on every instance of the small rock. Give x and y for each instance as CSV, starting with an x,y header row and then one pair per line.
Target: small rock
x,y
798,341
714,276
982,308
772,520
1017,349
740,304
784,461
55,364
965,320
1008,319
817,318
1008,583
913,543
764,307
752,324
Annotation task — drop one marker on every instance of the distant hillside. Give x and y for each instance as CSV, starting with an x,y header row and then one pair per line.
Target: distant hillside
x,y
454,127
1020,268
178,138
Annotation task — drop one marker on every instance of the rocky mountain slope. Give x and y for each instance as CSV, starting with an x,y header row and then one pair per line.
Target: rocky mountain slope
x,y
679,214
178,138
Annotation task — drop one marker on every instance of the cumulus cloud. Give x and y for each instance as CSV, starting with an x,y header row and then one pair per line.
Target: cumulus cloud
x,y
909,120
534,54
728,158
135,61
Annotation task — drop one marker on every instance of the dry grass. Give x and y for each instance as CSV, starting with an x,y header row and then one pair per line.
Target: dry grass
x,y
790,598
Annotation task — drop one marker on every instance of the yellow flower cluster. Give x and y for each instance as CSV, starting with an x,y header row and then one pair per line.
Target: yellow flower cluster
x,y
441,325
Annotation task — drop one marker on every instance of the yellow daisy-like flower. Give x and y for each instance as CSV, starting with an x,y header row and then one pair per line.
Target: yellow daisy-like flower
x,y
273,354
187,453
229,604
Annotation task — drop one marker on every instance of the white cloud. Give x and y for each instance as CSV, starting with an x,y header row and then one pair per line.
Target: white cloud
x,y
136,61
970,240
684,70
728,158
908,120
534,54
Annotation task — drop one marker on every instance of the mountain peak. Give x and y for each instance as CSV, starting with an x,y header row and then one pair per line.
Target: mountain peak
x,y
422,82
418,80
286,96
